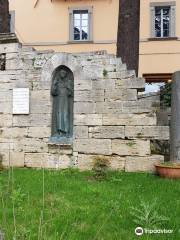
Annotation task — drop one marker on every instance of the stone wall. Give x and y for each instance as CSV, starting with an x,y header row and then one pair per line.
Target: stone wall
x,y
109,118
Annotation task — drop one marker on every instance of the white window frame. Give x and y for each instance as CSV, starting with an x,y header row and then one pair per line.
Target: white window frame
x,y
71,23
172,20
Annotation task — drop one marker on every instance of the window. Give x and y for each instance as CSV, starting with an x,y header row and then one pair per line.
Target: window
x,y
163,19
80,19
80,24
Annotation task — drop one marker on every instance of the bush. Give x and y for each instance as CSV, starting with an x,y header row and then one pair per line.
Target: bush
x,y
100,167
165,95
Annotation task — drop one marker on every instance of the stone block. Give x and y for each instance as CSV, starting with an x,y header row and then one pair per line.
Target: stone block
x,y
5,120
94,71
17,145
135,83
32,120
129,119
93,146
131,147
84,107
40,107
8,79
13,64
43,120
107,132
7,86
121,95
5,96
41,95
103,84
35,146
10,55
119,74
97,95
139,106
45,160
117,163
142,164
21,120
13,132
80,132
122,73
88,119
89,96
109,107
4,146
38,132
83,85
58,161
10,48
16,159
6,107
64,162
82,95
155,132
35,160
10,73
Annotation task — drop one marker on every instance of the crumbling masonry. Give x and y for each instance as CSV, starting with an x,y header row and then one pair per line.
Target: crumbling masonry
x,y
109,119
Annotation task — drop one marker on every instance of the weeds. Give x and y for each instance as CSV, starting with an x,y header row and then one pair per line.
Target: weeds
x,y
146,215
100,167
105,72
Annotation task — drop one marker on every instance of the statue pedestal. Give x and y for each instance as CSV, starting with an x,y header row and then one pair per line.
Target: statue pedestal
x,y
63,141
60,146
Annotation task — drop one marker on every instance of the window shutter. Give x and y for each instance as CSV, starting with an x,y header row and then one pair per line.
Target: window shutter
x,y
71,31
90,22
152,22
173,21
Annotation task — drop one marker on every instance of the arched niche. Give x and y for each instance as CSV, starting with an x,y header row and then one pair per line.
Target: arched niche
x,y
62,93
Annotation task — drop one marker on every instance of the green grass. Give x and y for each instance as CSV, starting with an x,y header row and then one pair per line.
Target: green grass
x,y
50,205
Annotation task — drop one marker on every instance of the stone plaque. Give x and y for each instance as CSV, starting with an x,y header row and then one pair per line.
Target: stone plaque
x,y
21,101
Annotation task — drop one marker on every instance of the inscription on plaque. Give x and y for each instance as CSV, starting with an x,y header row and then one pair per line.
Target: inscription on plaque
x,y
21,101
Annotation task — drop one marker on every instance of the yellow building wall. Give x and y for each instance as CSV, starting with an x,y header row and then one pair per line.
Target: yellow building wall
x,y
158,56
47,27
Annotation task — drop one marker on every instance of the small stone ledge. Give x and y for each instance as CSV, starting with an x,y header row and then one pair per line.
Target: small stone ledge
x,y
59,147
65,143
59,144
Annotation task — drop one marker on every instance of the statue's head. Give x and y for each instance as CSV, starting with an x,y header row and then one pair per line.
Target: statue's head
x,y
63,73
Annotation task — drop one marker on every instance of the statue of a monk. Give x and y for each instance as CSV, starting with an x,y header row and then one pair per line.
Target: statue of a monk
x,y
62,92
